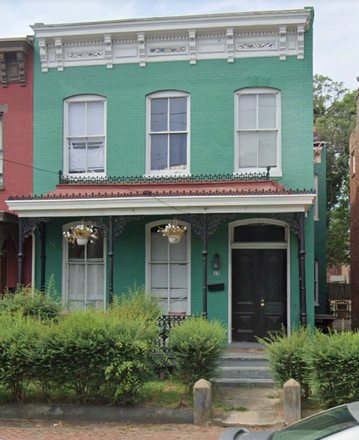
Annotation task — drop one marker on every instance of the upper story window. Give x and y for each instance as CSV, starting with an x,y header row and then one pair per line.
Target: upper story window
x,y
258,134
85,135
168,133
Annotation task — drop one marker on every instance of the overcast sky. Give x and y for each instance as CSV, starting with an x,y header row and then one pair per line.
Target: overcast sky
x,y
336,23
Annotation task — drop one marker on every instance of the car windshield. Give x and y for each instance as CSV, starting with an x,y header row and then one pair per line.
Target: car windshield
x,y
319,426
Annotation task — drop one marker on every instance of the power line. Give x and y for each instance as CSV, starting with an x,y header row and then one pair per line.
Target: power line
x,y
29,166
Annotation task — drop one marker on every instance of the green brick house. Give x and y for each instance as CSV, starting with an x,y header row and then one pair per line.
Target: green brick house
x,y
205,122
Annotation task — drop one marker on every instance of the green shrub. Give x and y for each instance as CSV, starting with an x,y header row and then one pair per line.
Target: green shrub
x,y
46,306
287,357
136,304
197,345
334,360
19,337
87,343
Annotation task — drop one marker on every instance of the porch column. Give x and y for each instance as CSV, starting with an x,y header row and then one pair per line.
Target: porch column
x,y
20,255
42,230
111,255
303,288
205,255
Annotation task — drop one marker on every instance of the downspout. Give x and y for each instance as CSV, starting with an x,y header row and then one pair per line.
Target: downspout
x,y
303,287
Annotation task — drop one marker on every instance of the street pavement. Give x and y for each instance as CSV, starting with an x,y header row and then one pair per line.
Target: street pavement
x,y
110,431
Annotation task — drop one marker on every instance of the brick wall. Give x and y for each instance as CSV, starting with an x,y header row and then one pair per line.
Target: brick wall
x,y
354,220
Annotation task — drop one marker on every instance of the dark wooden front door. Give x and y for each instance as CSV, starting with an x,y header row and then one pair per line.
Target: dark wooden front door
x,y
258,292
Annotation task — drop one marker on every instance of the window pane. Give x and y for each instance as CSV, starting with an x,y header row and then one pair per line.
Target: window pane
x,y
247,114
159,245
77,156
259,233
95,118
178,114
247,150
95,249
267,149
178,150
159,151
77,119
159,114
95,155
266,111
159,276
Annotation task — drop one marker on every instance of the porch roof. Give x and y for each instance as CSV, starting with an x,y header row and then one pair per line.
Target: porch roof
x,y
168,197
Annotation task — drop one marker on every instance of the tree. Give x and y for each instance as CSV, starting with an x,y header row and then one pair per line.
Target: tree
x,y
335,118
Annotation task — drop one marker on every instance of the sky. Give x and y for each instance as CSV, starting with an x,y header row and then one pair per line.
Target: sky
x,y
336,22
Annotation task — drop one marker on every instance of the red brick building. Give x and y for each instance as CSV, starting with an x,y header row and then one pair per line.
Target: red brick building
x,y
16,152
354,219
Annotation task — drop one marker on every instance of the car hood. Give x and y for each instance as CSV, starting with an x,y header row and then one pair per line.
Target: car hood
x,y
244,434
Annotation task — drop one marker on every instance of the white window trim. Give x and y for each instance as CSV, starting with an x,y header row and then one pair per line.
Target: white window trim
x,y
65,261
316,201
166,94
82,98
165,221
274,171
316,282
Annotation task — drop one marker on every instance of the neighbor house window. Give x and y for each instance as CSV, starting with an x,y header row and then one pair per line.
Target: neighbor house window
x,y
1,149
316,208
258,135
85,135
168,130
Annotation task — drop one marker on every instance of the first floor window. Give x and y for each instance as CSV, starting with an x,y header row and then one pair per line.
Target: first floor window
x,y
168,271
257,125
168,132
85,275
85,135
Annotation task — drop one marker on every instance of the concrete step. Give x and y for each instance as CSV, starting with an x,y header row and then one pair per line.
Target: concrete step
x,y
253,383
246,372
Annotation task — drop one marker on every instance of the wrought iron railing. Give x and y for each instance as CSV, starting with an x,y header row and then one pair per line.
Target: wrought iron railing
x,y
165,323
68,180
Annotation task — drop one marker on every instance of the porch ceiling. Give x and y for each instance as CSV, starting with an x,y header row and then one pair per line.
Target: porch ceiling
x,y
164,198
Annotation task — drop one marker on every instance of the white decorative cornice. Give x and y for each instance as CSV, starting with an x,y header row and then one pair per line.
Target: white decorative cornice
x,y
184,38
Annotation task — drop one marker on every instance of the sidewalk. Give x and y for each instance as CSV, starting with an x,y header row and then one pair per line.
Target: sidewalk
x,y
261,408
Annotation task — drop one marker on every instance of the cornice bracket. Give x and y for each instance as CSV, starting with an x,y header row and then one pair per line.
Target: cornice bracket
x,y
59,54
108,50
43,54
141,48
300,33
230,45
192,47
282,43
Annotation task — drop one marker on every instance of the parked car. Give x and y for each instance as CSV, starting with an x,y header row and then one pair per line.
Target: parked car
x,y
339,423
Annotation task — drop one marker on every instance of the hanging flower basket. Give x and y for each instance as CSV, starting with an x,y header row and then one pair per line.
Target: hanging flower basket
x,y
173,232
81,234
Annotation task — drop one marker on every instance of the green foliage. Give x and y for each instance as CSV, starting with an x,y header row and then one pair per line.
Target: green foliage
x,y
197,345
287,357
335,118
136,303
334,361
45,306
19,337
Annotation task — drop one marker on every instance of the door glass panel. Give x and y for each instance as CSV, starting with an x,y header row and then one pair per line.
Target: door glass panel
x,y
259,233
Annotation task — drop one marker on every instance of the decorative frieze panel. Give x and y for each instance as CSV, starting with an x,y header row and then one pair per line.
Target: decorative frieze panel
x,y
228,37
